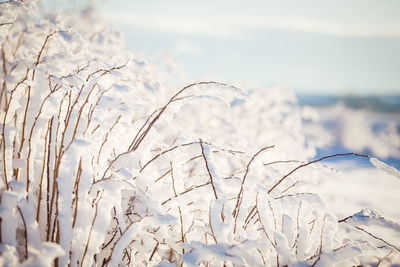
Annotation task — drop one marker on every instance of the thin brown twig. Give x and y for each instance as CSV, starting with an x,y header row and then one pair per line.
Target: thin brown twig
x,y
42,173
370,234
91,228
154,251
4,126
106,71
313,224
193,158
208,169
182,232
262,257
106,138
53,196
48,177
3,89
5,23
186,191
172,177
19,42
291,186
295,243
63,133
384,258
41,51
319,251
164,152
311,162
25,232
162,176
78,70
347,244
92,110
23,134
76,191
241,191
280,161
297,194
262,224
250,217
273,215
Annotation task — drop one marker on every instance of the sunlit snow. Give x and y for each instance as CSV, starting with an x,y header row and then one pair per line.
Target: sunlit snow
x,y
106,161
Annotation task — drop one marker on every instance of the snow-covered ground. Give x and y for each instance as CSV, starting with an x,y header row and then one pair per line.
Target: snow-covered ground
x,y
363,130
355,188
373,131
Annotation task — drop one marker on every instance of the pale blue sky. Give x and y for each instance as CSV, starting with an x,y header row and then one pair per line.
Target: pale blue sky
x,y
308,46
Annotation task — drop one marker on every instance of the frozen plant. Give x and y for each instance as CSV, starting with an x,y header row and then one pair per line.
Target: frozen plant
x,y
101,165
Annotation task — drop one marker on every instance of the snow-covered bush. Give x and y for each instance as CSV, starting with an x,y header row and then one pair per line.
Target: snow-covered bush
x,y
103,165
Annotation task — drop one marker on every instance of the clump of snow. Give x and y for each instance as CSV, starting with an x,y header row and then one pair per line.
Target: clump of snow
x,y
384,167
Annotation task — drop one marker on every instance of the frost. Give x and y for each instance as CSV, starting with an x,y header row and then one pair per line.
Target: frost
x,y
384,167
105,160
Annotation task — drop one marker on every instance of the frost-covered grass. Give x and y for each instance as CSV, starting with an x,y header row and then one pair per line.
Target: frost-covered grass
x,y
103,164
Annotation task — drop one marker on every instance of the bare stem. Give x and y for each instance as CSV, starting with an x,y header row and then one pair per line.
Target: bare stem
x,y
240,194
208,169
311,162
91,228
25,232
370,234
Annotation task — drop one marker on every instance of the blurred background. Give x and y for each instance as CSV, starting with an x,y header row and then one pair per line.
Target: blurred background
x,y
341,57
312,46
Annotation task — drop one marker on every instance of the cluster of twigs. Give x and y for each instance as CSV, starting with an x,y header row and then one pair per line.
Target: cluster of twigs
x,y
67,116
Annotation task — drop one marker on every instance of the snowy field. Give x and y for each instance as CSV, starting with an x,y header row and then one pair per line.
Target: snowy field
x,y
107,160
372,128
363,126
357,188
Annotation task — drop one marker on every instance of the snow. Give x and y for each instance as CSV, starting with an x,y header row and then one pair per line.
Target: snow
x,y
355,188
363,130
384,167
105,159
